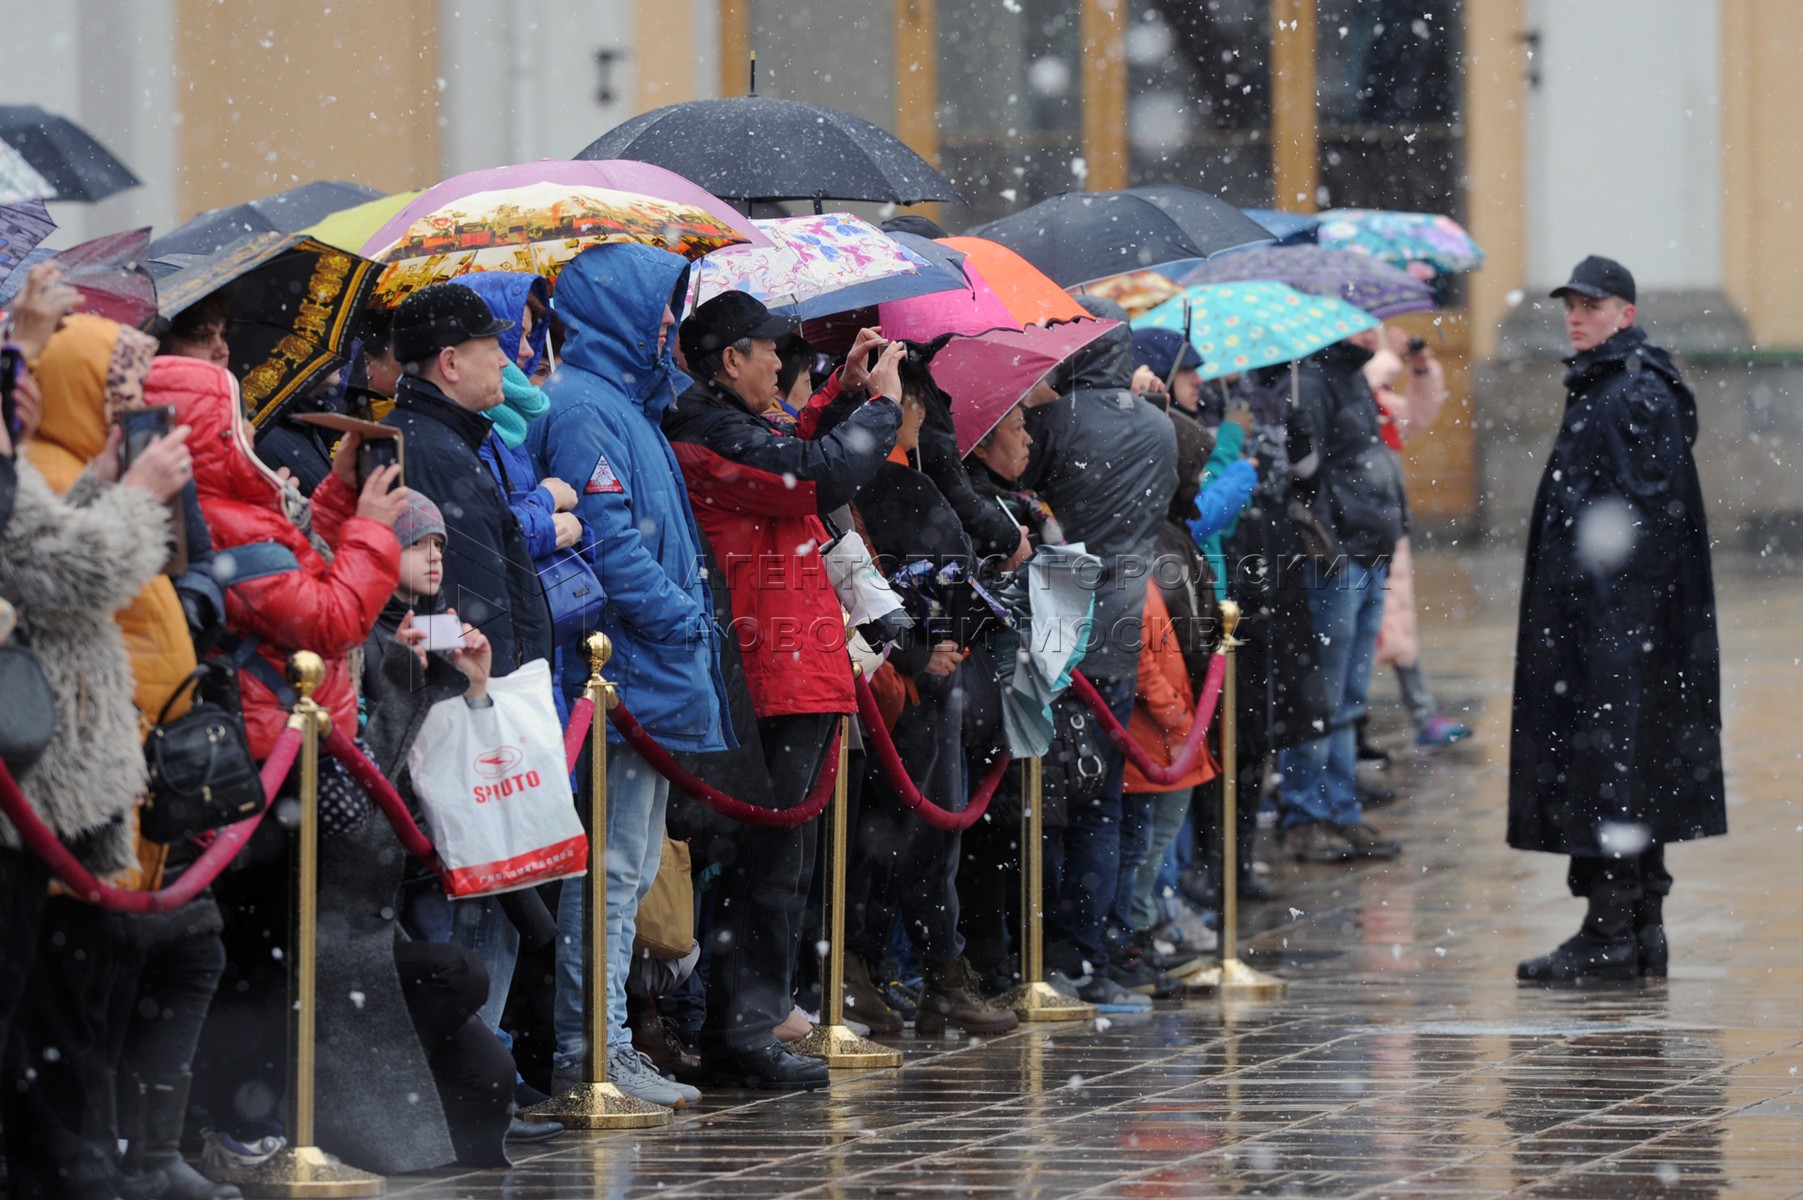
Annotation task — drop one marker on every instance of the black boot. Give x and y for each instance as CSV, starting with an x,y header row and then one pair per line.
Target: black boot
x,y
108,1104
165,1106
1649,931
1605,948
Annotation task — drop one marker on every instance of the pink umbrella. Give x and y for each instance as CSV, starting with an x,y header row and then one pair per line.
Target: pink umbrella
x,y
987,375
970,311
617,175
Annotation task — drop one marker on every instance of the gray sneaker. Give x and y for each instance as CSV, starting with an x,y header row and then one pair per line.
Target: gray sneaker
x,y
1063,984
1109,996
633,1074
1367,842
690,1094
1317,842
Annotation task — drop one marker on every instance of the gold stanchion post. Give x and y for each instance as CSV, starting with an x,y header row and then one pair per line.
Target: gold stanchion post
x,y
1232,979
1035,999
596,1103
303,1169
832,1041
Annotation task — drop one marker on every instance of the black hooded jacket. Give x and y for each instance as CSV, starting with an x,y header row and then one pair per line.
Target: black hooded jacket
x,y
1357,489
1106,462
1617,711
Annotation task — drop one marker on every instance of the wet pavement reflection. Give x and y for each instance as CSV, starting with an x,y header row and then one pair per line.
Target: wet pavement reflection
x,y
1405,1061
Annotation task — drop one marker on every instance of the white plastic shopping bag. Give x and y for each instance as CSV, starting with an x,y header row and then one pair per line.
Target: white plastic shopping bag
x,y
495,790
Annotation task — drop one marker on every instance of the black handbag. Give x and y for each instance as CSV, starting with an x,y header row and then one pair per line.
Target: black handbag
x,y
30,710
202,774
1074,769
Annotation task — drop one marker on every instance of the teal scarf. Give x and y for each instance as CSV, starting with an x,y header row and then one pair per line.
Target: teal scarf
x,y
521,405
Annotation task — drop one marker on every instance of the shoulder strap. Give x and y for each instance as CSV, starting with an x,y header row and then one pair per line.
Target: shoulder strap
x,y
253,560
243,655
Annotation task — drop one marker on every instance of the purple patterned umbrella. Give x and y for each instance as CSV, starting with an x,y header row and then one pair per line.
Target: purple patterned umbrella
x,y
1377,287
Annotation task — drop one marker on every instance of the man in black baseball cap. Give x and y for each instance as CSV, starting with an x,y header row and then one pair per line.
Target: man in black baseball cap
x,y
1615,748
448,343
756,493
440,317
1599,300
735,322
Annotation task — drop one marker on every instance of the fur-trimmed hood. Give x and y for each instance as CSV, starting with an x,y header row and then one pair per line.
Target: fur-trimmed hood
x,y
68,564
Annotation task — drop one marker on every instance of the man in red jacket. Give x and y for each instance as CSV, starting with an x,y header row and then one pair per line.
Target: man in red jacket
x,y
757,493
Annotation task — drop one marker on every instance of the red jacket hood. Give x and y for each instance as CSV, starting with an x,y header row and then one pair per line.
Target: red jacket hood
x,y
206,400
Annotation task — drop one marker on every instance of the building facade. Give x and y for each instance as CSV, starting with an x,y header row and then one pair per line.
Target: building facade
x,y
1661,132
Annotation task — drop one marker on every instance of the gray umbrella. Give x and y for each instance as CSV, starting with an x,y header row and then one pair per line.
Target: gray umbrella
x,y
288,211
1377,287
752,148
64,153
1083,236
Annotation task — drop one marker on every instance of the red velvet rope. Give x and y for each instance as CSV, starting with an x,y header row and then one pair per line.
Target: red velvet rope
x,y
750,814
197,878
376,785
582,713
903,784
1185,760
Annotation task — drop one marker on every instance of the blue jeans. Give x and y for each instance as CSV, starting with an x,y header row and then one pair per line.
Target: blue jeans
x,y
479,925
1136,897
1083,860
636,796
1318,779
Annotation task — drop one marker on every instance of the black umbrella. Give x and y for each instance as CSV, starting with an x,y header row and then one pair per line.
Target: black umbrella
x,y
294,302
1083,236
76,165
291,211
753,148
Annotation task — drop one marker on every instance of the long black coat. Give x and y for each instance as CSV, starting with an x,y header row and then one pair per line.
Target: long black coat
x,y
1617,713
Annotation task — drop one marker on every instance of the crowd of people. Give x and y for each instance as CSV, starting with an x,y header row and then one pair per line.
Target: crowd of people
x,y
698,463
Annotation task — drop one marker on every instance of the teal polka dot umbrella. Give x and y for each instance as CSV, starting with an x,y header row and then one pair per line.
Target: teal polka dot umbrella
x,y
1238,327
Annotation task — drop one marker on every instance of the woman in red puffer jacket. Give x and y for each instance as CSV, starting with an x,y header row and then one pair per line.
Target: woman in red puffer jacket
x,y
325,607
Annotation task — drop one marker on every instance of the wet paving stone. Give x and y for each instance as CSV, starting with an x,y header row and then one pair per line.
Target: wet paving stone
x,y
1404,1063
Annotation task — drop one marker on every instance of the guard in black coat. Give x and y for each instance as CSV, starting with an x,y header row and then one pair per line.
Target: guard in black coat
x,y
1616,742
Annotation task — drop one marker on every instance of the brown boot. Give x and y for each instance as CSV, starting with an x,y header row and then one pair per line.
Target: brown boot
x,y
954,996
863,1002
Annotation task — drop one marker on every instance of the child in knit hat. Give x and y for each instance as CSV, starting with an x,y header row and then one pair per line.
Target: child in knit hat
x,y
420,530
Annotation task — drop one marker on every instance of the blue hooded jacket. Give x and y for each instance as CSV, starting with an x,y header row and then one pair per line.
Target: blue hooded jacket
x,y
602,435
505,294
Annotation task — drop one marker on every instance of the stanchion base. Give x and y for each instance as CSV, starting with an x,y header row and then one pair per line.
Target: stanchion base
x,y
838,1046
1040,1001
1234,980
600,1106
304,1171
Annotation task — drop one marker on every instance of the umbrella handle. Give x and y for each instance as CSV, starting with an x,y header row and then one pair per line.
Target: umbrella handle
x,y
1170,382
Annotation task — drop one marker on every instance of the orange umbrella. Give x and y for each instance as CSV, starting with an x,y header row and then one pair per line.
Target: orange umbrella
x,y
1024,290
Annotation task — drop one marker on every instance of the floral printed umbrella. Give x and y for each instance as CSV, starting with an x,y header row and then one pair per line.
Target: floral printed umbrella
x,y
1136,291
535,230
1239,327
1424,244
813,261
638,178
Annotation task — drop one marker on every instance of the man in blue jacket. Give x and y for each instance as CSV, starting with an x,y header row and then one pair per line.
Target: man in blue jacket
x,y
607,397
